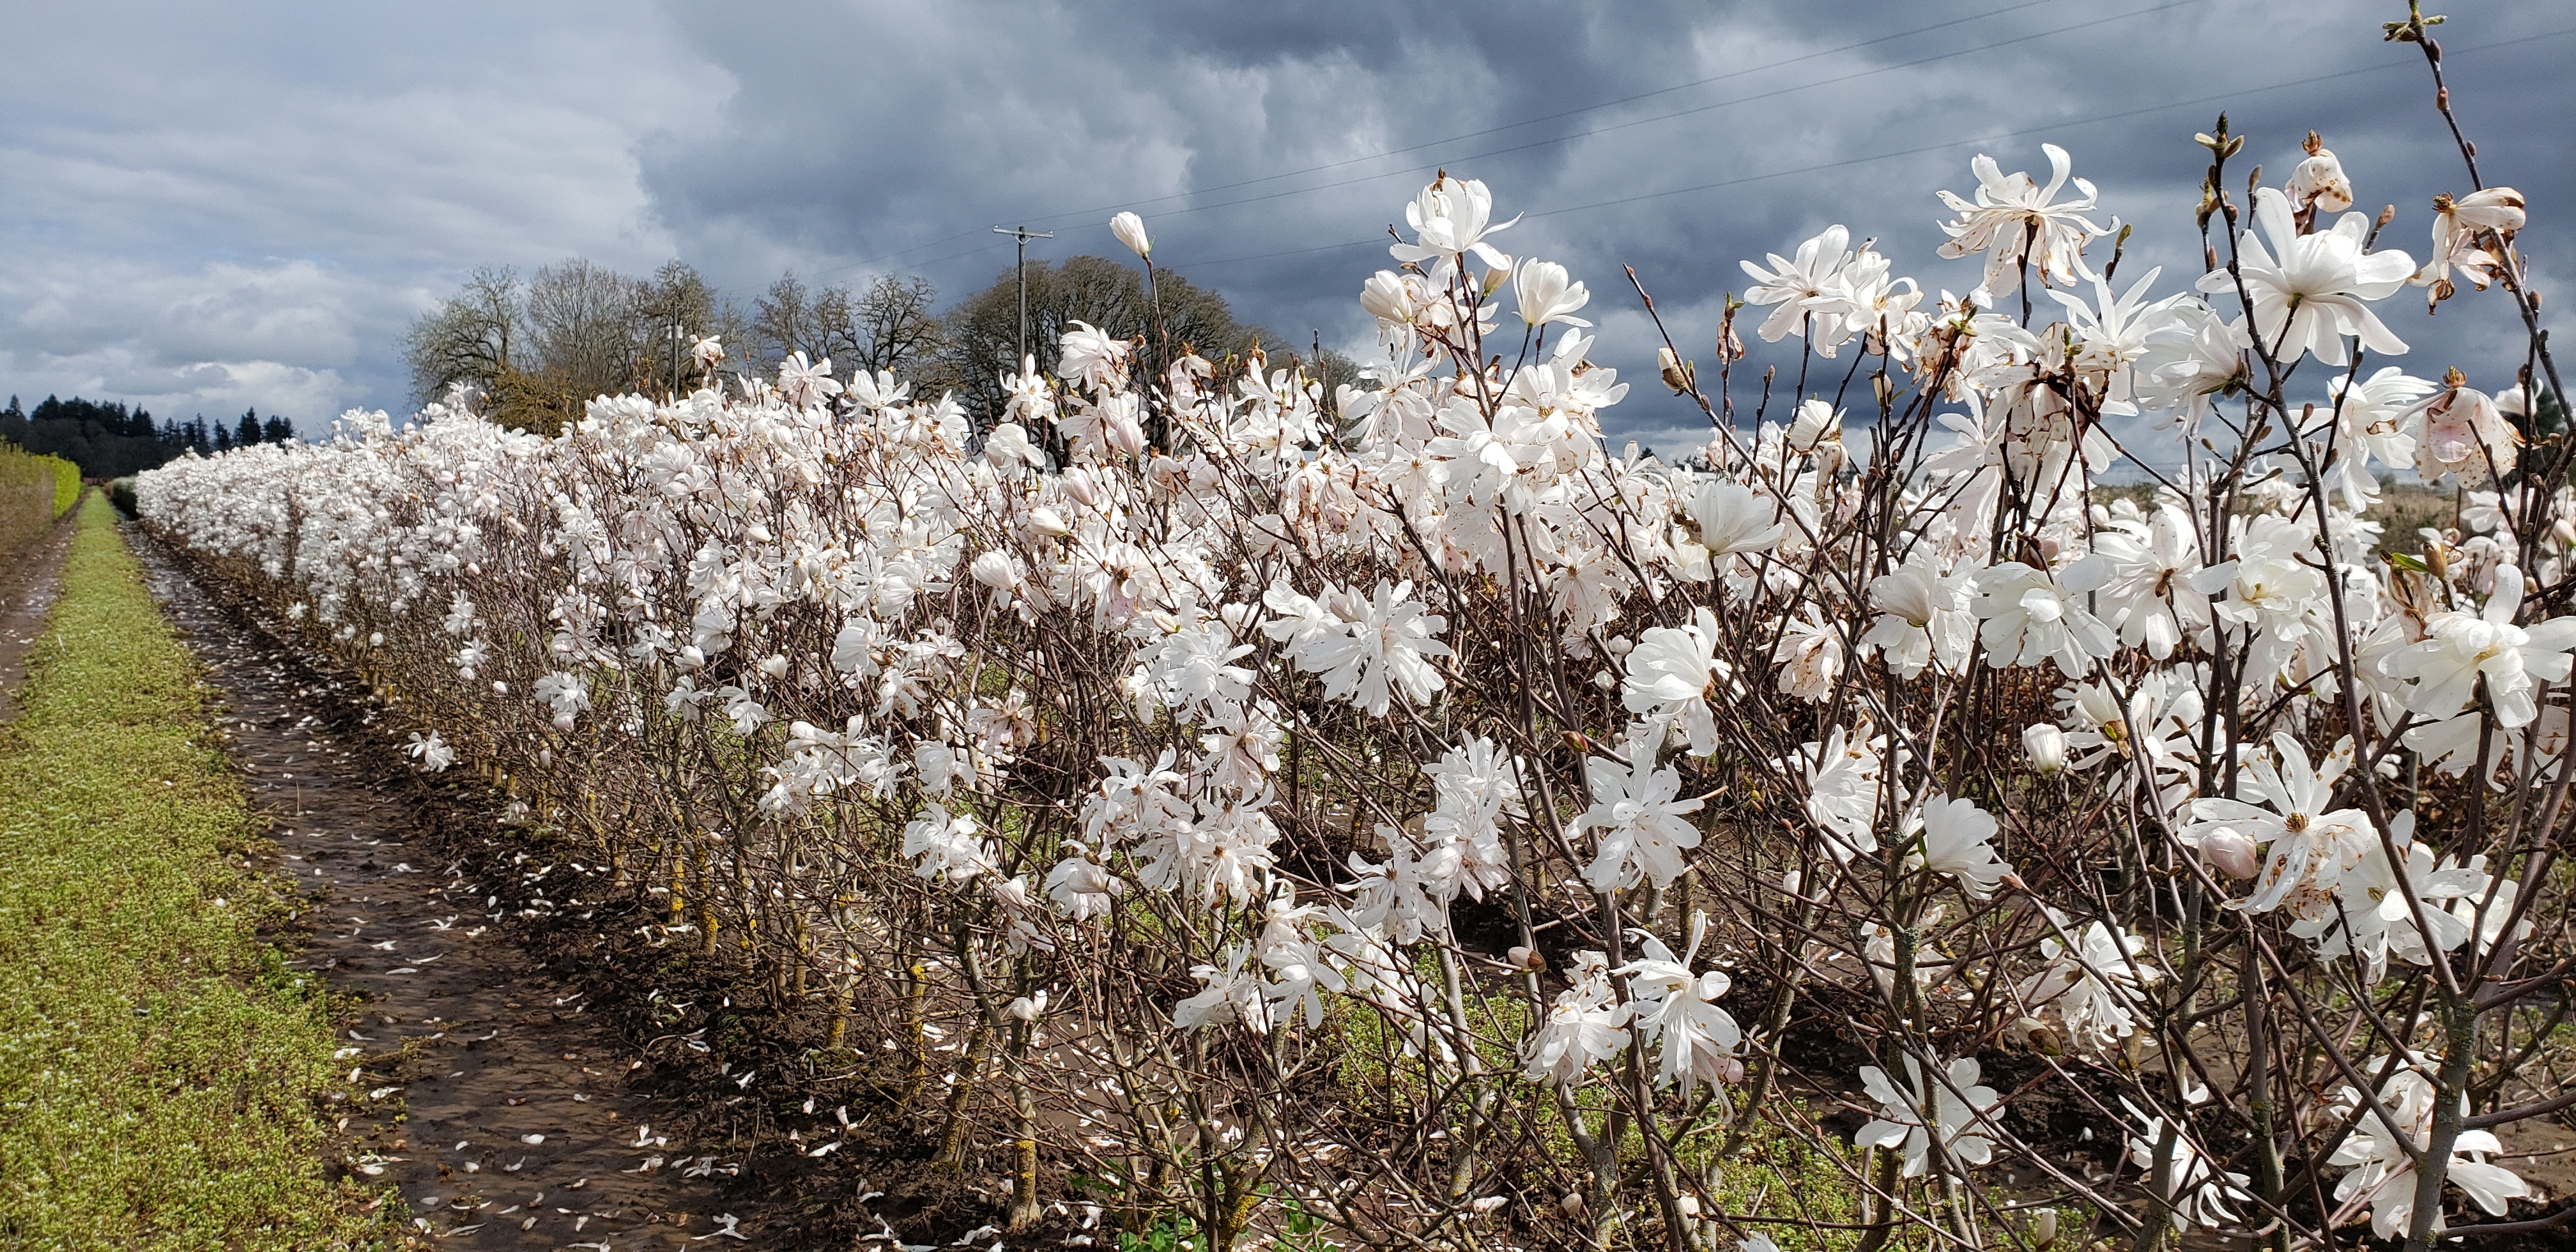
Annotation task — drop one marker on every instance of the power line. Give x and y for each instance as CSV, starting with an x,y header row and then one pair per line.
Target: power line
x,y
1551,117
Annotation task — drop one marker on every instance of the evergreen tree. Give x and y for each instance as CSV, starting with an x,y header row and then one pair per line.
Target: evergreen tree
x,y
248,432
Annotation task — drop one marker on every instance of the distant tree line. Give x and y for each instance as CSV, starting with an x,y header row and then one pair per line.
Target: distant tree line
x,y
107,440
537,348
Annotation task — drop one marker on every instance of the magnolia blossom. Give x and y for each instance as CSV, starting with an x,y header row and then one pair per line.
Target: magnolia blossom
x,y
1583,1027
2030,617
1923,616
1792,283
2313,295
1956,1103
802,383
2465,433
1232,994
2016,221
1083,890
2460,649
2094,987
1636,822
943,845
1732,519
1450,219
431,751
2196,1189
1957,841
2312,846
1671,672
1130,230
2382,1169
1546,295
2467,232
1677,1011
1368,651
1842,776
2319,184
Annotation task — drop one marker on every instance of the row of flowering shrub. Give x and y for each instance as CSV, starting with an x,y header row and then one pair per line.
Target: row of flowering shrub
x,y
1395,805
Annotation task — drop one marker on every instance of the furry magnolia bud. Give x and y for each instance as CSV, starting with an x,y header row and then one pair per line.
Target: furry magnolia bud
x,y
1677,373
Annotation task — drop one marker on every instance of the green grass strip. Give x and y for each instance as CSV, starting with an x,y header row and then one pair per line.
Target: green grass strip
x,y
159,1066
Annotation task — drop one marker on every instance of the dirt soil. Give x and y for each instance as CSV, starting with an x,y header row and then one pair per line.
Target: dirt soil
x,y
529,1073
29,581
480,1080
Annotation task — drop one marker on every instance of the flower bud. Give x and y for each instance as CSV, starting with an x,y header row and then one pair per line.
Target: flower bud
x,y
774,665
1677,376
993,569
1130,230
2229,851
2043,1227
1047,521
2045,745
1530,959
1077,483
1571,1204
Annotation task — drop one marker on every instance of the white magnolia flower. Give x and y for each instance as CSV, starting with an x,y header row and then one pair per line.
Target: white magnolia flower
x,y
2382,1169
1677,1011
2466,230
943,845
2093,988
1924,617
1672,671
431,751
2464,432
802,384
2030,617
2196,1189
1083,890
1450,219
2015,220
1955,1104
1958,840
1636,822
1794,284
1732,519
2312,297
2319,182
1547,295
1232,994
2147,591
1368,651
2313,846
1842,792
1810,656
2460,649
1093,358
1584,1027
1130,230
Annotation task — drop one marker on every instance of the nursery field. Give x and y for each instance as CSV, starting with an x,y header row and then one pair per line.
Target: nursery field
x,y
1188,800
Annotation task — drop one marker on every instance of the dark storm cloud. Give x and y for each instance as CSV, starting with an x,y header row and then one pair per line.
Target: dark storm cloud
x,y
291,214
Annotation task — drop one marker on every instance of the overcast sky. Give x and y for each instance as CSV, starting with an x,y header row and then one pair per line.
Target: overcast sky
x,y
203,210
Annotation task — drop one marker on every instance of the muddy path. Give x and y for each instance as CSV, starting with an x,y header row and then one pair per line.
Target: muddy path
x,y
481,1082
30,579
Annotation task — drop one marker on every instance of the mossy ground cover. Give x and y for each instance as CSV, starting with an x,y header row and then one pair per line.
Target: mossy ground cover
x,y
160,1067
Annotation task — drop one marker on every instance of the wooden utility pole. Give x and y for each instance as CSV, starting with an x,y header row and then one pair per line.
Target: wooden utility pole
x,y
1024,235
